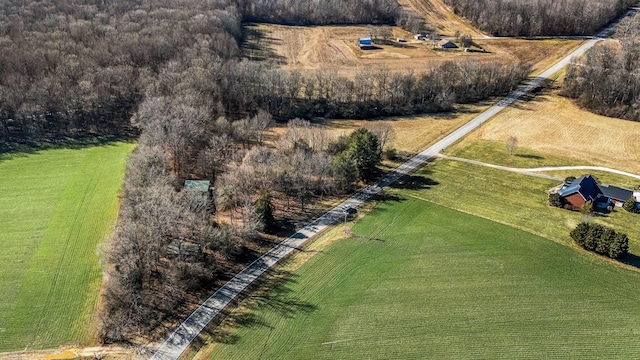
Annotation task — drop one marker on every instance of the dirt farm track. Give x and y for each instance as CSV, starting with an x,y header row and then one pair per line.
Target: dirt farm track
x,y
552,124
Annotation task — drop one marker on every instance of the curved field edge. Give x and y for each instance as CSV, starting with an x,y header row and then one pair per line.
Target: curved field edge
x,y
56,206
419,280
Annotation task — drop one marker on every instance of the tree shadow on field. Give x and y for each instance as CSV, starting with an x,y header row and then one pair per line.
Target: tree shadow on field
x,y
414,182
273,293
259,46
536,95
20,150
632,260
530,156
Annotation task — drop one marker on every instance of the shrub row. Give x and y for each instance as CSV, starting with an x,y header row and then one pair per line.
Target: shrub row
x,y
601,239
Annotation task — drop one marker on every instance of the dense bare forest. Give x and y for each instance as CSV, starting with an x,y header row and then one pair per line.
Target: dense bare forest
x,y
606,79
321,12
539,17
372,92
68,69
172,72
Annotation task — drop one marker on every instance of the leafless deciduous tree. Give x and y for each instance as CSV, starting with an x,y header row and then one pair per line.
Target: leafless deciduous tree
x,y
383,131
512,142
606,80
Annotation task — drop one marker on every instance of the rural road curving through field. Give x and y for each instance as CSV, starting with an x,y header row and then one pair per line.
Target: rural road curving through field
x,y
180,339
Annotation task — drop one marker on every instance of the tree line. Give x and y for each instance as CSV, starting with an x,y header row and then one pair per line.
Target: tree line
x,y
606,80
539,17
371,92
325,12
172,244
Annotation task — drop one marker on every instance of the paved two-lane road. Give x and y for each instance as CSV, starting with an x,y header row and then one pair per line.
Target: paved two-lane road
x,y
180,339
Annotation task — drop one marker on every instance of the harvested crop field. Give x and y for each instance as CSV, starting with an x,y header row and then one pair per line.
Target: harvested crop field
x,y
554,125
537,53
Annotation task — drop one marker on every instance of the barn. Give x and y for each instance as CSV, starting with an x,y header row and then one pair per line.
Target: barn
x,y
365,43
447,44
577,192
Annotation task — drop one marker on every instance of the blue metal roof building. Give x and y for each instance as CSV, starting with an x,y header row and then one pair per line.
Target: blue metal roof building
x,y
365,43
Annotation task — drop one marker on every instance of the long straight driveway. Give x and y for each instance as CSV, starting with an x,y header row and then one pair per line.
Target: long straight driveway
x,y
180,339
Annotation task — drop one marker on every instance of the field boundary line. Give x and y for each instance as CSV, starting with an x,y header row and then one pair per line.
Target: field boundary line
x,y
178,341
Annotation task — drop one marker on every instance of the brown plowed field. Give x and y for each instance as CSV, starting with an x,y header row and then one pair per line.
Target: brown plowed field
x,y
554,125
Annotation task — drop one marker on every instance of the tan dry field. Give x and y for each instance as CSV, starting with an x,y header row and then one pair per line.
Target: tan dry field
x,y
412,134
540,54
439,16
334,47
555,125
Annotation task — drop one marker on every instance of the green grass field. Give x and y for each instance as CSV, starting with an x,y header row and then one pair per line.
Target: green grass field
x,y
509,198
422,281
494,152
56,206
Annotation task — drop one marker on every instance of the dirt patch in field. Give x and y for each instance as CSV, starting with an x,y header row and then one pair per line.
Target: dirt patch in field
x,y
438,15
539,54
96,352
549,123
335,47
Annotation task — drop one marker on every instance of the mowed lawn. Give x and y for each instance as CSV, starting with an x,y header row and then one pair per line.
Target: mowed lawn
x,y
422,281
56,206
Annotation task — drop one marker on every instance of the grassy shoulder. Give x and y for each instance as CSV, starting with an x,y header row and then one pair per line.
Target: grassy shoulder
x,y
419,280
55,208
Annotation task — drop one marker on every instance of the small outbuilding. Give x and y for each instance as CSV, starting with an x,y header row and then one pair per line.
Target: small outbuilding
x,y
203,186
419,37
365,43
447,44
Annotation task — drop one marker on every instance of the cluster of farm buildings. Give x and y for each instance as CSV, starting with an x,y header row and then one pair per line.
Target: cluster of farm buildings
x,y
575,193
367,43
